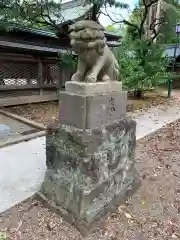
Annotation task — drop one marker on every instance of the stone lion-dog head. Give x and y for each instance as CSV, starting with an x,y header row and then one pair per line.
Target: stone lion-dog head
x,y
96,60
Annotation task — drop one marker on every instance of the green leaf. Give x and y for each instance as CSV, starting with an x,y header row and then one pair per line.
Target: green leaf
x,y
3,236
141,65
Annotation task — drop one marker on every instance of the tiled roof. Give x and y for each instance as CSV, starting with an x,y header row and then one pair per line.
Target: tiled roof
x,y
37,31
169,51
74,13
44,48
113,44
31,47
73,10
71,4
51,34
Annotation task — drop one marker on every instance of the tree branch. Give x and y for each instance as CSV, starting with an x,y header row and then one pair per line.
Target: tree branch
x,y
153,25
120,21
145,14
33,13
155,22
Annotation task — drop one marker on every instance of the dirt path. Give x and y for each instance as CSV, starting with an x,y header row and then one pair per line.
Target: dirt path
x,y
152,213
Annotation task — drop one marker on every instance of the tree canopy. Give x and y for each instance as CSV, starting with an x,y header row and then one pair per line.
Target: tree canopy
x,y
162,25
141,63
39,13
45,13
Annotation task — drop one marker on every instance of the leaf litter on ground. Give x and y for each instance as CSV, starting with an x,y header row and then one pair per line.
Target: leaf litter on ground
x,y
153,212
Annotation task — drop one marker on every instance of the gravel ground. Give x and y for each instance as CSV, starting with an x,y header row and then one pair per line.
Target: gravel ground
x,y
152,213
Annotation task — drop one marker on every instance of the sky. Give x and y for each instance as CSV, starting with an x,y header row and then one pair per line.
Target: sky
x,y
104,20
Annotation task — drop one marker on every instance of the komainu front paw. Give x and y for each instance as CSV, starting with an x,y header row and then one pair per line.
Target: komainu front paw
x,y
91,78
106,78
76,77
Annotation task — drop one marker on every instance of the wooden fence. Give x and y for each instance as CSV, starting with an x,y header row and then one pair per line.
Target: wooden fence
x,y
27,79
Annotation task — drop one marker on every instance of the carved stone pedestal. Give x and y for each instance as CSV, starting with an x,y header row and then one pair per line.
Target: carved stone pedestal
x,y
90,154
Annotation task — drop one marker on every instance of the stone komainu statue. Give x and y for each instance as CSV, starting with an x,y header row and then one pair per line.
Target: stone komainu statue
x,y
96,61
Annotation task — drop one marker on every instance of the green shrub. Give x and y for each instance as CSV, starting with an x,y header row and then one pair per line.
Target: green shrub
x,y
67,60
142,66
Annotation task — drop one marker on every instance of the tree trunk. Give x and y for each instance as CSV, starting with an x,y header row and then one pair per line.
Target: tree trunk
x,y
158,16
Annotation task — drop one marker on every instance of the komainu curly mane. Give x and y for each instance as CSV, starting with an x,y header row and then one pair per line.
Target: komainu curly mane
x,y
96,62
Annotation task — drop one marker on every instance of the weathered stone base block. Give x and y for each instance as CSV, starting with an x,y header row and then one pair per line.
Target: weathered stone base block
x,y
90,171
91,111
